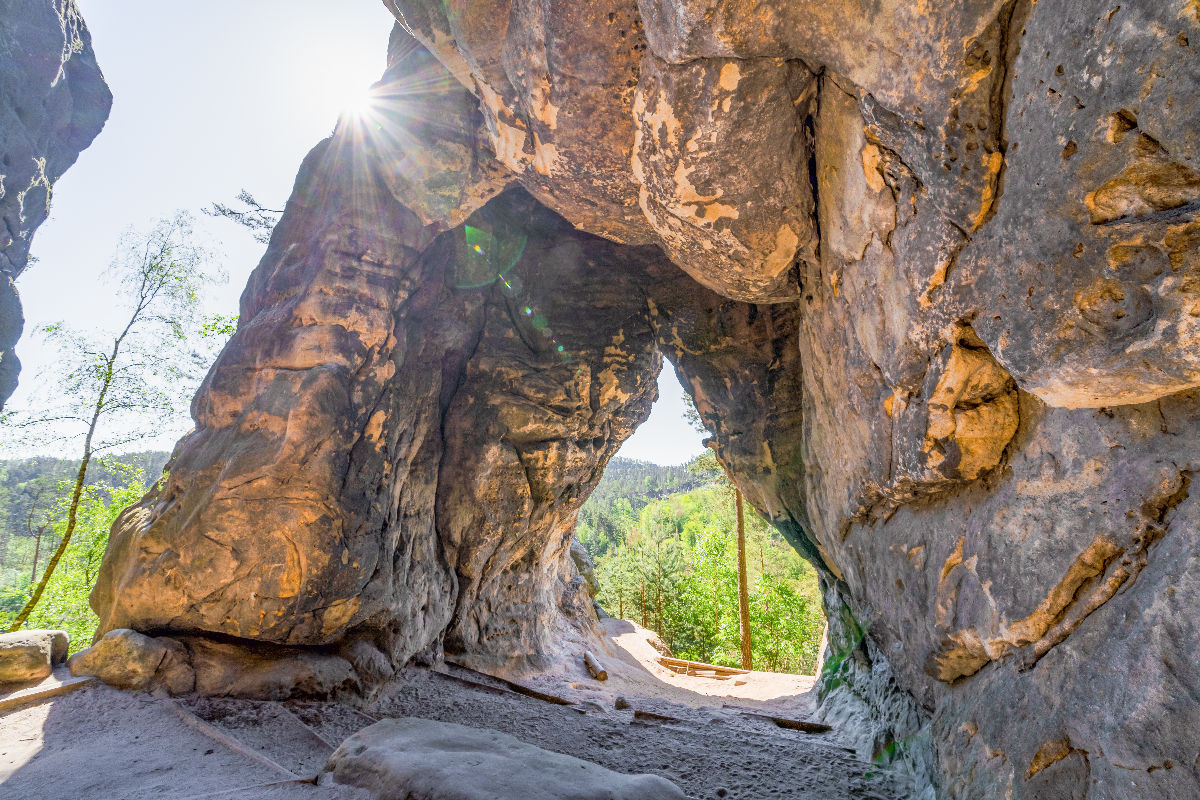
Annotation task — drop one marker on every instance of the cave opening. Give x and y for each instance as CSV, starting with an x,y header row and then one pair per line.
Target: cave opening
x,y
928,275
578,372
658,543
590,492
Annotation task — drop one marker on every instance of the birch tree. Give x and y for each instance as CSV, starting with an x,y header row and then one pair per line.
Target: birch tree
x,y
110,389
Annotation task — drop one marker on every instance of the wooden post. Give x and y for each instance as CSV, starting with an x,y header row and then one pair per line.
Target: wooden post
x,y
645,622
743,589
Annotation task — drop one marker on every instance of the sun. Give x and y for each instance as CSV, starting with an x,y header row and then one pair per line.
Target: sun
x,y
360,103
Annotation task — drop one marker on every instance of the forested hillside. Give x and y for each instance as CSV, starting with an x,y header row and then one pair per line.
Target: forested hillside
x,y
29,483
627,487
663,539
34,495
665,546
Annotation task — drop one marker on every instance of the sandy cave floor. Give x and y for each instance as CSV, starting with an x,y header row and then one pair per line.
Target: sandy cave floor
x,y
97,742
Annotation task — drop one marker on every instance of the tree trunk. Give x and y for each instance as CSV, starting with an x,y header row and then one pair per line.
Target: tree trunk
x,y
37,553
645,622
716,600
154,277
743,589
660,621
72,518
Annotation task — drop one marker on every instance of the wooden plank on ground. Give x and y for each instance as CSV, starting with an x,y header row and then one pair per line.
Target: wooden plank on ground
x,y
477,685
679,663
221,737
57,684
594,667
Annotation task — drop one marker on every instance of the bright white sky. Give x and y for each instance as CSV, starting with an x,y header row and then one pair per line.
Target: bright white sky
x,y
211,97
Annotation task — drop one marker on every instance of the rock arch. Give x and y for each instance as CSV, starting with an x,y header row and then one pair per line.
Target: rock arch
x,y
955,360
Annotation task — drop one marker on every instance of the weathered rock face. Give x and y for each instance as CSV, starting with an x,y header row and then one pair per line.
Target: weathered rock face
x,y
53,103
445,449
930,274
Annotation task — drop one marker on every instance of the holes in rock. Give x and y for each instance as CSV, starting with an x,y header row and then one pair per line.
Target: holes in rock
x,y
1138,263
1119,124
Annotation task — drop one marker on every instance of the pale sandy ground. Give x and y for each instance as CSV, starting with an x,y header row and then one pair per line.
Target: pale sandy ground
x,y
637,652
97,742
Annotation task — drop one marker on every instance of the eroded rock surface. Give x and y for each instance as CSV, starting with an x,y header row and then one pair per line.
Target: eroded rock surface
x,y
53,103
929,273
420,759
131,660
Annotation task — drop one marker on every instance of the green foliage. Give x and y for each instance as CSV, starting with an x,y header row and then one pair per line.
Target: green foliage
x,y
691,414
626,488
27,490
220,326
707,467
256,218
674,570
64,604
108,389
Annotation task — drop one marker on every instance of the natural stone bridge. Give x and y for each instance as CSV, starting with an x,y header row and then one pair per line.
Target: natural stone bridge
x,y
931,273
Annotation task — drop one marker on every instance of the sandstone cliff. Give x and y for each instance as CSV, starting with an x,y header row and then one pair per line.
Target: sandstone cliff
x,y
53,103
930,271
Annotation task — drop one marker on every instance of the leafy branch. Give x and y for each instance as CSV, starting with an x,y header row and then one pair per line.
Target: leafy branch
x,y
253,216
120,391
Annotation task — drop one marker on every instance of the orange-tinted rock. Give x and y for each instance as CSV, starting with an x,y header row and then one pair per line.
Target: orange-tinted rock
x,y
30,655
967,390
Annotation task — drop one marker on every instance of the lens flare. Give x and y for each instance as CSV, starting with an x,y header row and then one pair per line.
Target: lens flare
x,y
488,257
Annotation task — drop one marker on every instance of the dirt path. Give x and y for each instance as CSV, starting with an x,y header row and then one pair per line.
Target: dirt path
x,y
98,743
707,736
640,671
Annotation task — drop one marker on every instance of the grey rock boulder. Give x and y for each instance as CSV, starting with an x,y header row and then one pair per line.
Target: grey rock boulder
x,y
584,566
420,759
30,655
